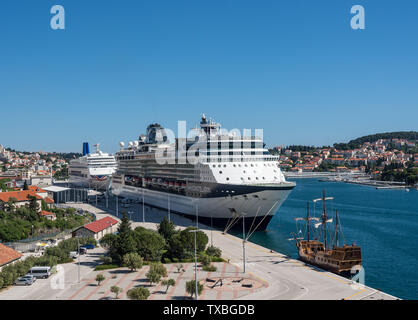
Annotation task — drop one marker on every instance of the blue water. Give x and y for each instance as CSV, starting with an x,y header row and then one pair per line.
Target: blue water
x,y
383,222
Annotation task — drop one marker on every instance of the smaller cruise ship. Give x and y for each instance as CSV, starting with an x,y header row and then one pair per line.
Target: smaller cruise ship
x,y
92,170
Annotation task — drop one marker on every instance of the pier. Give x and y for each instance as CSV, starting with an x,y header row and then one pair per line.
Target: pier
x,y
285,278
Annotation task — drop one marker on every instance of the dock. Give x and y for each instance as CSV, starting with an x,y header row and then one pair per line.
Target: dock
x,y
286,278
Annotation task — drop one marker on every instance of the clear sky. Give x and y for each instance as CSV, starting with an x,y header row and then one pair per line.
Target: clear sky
x,y
294,68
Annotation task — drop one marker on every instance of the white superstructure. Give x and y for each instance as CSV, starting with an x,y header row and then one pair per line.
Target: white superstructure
x,y
213,176
92,170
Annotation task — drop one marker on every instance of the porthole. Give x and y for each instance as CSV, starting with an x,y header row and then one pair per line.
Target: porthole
x,y
227,179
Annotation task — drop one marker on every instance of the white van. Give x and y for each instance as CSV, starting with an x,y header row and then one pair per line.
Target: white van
x,y
40,272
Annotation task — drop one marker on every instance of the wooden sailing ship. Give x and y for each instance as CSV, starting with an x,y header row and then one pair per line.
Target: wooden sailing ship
x,y
342,260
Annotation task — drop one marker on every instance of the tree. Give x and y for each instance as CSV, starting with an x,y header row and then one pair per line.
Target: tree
x,y
133,261
33,203
116,290
125,242
166,228
11,204
159,268
153,277
100,278
139,293
181,245
191,288
168,283
149,244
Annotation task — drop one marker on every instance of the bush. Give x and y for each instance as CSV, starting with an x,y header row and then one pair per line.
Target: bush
x,y
106,260
139,293
213,251
105,267
191,287
205,259
209,268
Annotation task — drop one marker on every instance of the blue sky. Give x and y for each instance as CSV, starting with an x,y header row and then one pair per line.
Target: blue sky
x,y
293,68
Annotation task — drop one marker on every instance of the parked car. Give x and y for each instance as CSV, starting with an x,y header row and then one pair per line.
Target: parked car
x,y
82,250
26,280
40,272
73,254
88,246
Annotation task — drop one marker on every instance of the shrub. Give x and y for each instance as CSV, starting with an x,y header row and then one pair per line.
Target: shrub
x,y
213,251
105,267
205,259
209,268
139,293
191,287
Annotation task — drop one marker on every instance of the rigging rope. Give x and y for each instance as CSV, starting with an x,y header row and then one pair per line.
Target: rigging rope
x,y
261,221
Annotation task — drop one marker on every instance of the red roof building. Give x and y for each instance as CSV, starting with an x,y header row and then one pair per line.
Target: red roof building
x,y
48,215
97,229
21,197
8,255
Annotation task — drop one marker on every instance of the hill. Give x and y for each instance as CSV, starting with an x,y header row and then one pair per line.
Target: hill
x,y
356,143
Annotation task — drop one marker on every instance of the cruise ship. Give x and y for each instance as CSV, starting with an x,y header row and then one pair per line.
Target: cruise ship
x,y
215,178
92,170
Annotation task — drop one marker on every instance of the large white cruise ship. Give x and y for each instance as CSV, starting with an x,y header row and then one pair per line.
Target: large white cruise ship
x,y
213,177
92,170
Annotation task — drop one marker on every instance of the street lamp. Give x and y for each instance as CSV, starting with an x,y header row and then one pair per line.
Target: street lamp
x,y
169,207
243,214
195,261
143,206
117,209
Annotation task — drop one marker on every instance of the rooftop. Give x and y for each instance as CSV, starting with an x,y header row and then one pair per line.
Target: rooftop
x,y
101,224
8,255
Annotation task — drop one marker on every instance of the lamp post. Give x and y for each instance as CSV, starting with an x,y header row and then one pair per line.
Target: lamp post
x,y
78,253
143,206
195,261
243,214
169,207
117,209
197,216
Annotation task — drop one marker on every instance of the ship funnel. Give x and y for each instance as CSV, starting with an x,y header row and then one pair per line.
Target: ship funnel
x,y
85,148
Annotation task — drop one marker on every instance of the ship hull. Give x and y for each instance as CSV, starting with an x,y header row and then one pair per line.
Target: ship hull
x,y
93,182
219,211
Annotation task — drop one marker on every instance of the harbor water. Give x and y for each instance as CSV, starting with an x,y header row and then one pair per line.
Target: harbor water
x,y
383,222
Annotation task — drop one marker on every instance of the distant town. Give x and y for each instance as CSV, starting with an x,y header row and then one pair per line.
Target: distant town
x,y
386,156
389,159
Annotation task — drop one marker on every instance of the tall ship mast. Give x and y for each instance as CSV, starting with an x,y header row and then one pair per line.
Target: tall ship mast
x,y
324,250
234,176
92,170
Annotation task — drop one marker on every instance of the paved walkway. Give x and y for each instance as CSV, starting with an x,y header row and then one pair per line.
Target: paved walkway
x,y
286,278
